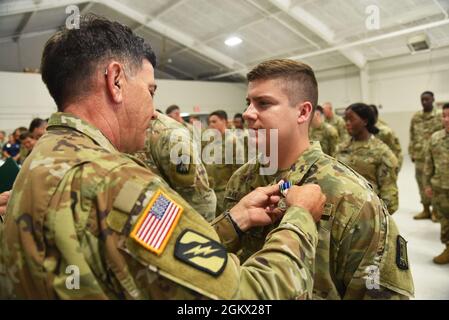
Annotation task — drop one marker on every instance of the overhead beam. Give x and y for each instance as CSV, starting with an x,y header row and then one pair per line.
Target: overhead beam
x,y
23,24
319,28
175,35
26,35
390,35
21,7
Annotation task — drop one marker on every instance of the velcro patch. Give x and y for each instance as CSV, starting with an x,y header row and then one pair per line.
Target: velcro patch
x,y
401,253
157,222
182,168
201,252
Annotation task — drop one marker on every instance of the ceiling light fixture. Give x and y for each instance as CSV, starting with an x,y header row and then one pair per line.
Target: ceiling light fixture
x,y
233,41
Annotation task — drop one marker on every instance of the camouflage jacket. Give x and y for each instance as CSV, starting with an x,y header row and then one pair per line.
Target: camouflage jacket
x,y
358,240
188,177
76,228
422,126
436,167
339,124
387,136
327,135
222,162
377,164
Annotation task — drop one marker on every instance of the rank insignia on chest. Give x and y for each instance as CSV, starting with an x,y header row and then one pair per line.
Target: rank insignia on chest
x,y
157,222
201,252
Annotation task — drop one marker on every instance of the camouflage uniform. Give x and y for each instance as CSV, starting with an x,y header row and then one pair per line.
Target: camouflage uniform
x,y
357,236
339,124
189,179
387,136
75,205
327,135
220,173
376,163
422,126
436,175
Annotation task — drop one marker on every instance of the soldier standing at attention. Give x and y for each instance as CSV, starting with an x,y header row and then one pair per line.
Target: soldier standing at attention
x,y
174,112
326,134
336,121
436,180
87,221
368,155
387,136
358,239
188,176
219,171
424,123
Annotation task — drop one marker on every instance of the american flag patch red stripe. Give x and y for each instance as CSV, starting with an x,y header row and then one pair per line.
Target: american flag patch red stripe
x,y
157,222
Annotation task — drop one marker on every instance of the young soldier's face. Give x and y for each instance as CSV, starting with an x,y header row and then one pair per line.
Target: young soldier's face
x,y
218,124
269,108
446,119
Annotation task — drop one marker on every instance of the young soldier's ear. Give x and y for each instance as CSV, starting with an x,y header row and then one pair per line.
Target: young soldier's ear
x,y
305,112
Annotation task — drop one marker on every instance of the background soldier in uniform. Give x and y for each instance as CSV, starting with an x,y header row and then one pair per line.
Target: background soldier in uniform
x,y
188,177
336,121
436,180
81,204
326,134
424,123
368,155
219,173
387,136
356,233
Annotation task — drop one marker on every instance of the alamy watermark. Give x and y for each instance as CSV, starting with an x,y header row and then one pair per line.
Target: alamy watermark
x,y
73,20
236,146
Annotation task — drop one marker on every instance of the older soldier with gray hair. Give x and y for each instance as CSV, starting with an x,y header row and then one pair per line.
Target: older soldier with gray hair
x,y
83,208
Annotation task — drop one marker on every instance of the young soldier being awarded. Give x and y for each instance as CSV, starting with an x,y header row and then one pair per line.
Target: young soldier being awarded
x,y
360,253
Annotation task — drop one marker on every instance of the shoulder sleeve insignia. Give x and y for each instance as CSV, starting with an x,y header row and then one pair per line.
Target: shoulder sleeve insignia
x,y
157,222
201,252
401,253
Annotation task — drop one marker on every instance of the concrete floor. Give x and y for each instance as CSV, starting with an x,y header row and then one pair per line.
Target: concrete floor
x,y
423,236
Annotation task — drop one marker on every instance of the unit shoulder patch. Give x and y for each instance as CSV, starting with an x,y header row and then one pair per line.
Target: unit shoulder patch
x,y
201,252
401,253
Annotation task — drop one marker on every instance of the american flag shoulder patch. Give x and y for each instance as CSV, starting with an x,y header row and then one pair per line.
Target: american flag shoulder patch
x,y
157,222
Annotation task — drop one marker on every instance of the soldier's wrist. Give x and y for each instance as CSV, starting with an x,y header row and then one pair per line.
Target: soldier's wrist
x,y
234,223
227,232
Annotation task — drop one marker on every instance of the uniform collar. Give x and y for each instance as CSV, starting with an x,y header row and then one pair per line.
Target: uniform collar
x,y
61,119
429,114
304,163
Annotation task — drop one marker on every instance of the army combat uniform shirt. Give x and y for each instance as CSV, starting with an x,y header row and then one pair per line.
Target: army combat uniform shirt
x,y
327,135
422,126
376,163
85,221
339,124
360,254
436,175
387,136
188,176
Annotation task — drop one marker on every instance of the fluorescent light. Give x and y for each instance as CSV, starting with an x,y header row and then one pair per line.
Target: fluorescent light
x,y
233,41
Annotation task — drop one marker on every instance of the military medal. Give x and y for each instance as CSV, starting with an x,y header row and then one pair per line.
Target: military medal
x,y
284,186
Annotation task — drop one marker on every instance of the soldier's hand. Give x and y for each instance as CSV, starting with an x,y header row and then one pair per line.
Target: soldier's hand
x,y
428,192
4,197
309,197
257,208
